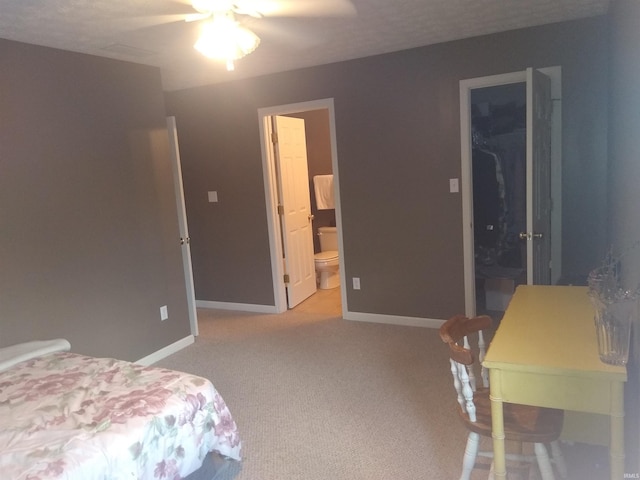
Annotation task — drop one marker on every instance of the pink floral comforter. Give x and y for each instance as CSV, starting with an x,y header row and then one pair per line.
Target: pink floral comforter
x,y
67,416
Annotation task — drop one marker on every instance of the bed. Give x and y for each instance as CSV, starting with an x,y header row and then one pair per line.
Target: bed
x,y
73,417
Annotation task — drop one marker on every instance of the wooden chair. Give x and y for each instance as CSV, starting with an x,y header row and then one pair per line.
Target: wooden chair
x,y
522,423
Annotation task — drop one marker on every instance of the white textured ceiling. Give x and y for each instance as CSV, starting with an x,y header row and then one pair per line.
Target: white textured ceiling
x,y
130,30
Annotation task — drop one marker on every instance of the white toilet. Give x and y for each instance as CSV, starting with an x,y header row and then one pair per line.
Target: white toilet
x,y
327,259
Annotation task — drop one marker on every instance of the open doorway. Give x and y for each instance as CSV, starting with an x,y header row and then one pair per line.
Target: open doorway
x,y
495,244
310,112
498,164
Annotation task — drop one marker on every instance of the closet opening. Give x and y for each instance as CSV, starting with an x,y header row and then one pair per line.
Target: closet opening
x,y
498,160
512,124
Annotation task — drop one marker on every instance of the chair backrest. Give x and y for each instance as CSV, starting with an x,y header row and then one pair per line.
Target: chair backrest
x,y
455,332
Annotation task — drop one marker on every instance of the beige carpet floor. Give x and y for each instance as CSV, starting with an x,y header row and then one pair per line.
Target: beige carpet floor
x,y
316,397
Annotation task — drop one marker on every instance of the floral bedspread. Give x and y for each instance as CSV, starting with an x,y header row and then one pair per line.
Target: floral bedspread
x,y
72,417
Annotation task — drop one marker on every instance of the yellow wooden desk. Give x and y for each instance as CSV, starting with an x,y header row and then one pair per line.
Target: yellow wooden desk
x,y
545,353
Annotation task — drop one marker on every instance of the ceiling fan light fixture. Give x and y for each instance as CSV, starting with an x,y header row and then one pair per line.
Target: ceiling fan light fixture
x,y
222,38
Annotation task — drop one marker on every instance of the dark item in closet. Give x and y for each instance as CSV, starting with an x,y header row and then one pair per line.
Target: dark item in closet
x,y
488,204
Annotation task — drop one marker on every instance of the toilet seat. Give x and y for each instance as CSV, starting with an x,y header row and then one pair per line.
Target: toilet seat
x,y
326,256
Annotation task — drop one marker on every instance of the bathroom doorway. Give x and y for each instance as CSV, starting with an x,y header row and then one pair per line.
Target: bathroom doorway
x,y
310,112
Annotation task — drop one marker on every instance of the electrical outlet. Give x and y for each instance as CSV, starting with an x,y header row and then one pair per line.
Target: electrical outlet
x,y
212,196
356,283
164,312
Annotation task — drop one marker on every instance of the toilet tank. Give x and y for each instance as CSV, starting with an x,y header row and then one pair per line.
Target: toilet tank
x,y
328,238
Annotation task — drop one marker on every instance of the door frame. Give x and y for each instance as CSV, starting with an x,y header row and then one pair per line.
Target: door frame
x,y
271,194
555,74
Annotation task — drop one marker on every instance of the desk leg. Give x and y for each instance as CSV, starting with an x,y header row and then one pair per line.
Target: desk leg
x,y
497,425
616,446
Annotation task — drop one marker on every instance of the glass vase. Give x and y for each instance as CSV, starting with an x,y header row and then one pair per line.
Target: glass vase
x,y
613,329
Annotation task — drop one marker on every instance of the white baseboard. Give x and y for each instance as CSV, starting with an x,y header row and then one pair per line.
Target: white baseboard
x,y
166,351
394,319
244,307
357,316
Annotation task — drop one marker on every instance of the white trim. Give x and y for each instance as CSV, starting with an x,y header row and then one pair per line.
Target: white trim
x,y
394,319
356,316
270,191
243,307
466,184
166,351
273,219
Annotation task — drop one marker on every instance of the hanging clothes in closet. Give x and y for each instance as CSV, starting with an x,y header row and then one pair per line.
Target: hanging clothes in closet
x,y
488,205
511,149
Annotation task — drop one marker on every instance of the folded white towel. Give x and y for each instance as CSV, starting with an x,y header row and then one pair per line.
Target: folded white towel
x,y
323,186
21,352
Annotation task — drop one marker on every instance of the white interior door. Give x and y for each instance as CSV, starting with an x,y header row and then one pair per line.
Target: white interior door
x,y
185,240
290,153
538,235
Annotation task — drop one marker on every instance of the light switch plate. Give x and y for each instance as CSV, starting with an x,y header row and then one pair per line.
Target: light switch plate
x,y
213,197
454,186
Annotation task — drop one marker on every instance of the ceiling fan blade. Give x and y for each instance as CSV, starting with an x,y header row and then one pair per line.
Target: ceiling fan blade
x,y
184,2
280,31
153,20
195,17
295,8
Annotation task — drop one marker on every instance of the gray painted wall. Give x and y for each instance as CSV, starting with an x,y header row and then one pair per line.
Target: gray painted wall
x,y
88,222
398,141
625,191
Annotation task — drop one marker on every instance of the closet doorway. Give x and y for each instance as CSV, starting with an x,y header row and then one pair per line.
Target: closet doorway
x,y
510,148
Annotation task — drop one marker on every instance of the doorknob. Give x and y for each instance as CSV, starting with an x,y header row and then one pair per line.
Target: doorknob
x,y
529,236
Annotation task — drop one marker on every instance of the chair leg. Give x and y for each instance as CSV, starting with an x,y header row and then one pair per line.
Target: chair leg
x,y
470,454
544,463
558,459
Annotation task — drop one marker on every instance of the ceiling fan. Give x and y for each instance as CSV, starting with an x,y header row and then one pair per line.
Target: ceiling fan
x,y
222,35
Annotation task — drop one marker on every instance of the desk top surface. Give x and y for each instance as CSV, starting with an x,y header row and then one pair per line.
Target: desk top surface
x,y
549,329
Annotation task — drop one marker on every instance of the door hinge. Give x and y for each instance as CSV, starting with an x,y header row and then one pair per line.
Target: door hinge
x,y
280,209
274,137
286,278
